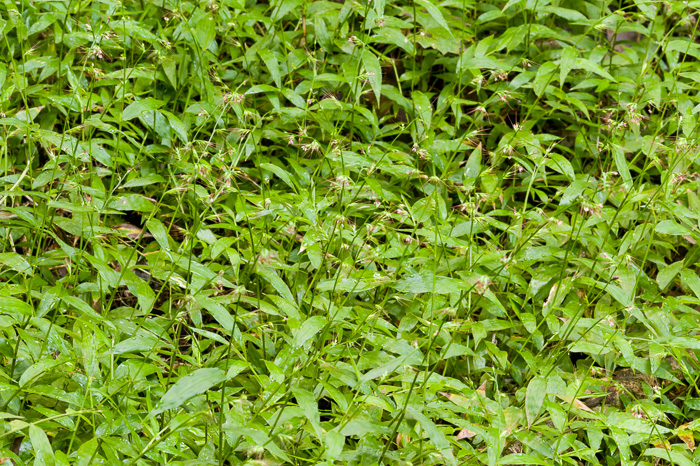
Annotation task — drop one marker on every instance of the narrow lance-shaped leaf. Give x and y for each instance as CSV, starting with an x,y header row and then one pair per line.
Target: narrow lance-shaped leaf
x,y
308,329
374,71
140,107
435,13
308,404
568,59
437,437
272,65
42,447
187,387
277,283
534,397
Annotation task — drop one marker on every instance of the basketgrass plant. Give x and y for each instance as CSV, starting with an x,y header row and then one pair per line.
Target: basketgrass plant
x,y
319,232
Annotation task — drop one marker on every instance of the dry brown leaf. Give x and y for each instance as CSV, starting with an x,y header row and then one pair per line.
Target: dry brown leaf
x,y
402,440
575,402
465,433
581,405
4,215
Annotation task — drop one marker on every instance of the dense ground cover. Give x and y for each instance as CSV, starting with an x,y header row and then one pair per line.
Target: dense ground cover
x,y
355,233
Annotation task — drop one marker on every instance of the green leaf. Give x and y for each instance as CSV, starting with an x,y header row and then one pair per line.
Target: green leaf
x,y
237,4
521,458
45,20
544,77
308,329
588,65
622,440
437,437
257,436
571,15
281,173
374,70
315,254
423,209
413,357
42,446
321,31
80,305
15,262
157,229
691,280
149,179
491,15
140,107
424,109
218,312
308,404
684,46
394,36
678,458
435,13
495,443
36,370
86,452
187,387
205,30
528,321
472,169
294,98
131,202
170,70
513,38
272,65
177,126
573,191
469,63
439,39
568,59
277,283
235,368
428,283
142,290
621,165
283,7
668,273
534,397
562,165
669,227
616,292
334,442
106,273
510,4
142,343
348,285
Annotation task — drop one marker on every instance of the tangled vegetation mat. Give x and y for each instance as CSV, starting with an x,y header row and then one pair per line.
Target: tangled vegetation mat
x,y
378,232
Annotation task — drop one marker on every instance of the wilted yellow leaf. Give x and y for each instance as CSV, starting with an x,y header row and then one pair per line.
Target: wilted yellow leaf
x,y
688,439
